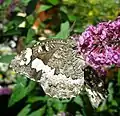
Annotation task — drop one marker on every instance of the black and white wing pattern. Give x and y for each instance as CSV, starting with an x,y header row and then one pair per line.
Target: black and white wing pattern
x,y
94,85
56,65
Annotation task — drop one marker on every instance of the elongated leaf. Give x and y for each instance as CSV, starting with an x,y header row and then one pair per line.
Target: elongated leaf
x,y
79,101
12,32
8,2
30,35
6,58
24,111
119,77
58,105
30,87
25,2
50,111
37,99
30,19
64,31
19,91
110,92
44,8
39,112
72,17
54,2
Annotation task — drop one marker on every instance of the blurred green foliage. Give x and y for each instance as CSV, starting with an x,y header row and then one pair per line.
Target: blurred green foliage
x,y
80,12
88,12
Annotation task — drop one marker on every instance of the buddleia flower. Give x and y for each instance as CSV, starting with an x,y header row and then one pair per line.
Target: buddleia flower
x,y
99,45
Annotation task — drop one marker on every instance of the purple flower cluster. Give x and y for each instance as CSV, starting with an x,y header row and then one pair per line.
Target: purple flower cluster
x,y
100,45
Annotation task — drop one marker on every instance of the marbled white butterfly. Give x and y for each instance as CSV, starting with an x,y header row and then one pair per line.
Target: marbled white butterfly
x,y
56,65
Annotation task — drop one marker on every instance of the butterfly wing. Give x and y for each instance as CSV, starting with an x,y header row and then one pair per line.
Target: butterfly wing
x,y
55,65
58,68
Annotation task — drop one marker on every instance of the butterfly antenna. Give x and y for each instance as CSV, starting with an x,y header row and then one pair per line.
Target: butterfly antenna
x,y
71,28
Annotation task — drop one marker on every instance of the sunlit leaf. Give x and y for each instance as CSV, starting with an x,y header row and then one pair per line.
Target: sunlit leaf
x,y
79,101
22,25
44,8
110,92
25,2
64,31
58,105
19,91
30,35
30,19
72,17
30,87
37,99
39,112
6,58
54,2
24,111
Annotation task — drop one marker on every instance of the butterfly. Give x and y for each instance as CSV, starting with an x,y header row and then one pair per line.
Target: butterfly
x,y
56,65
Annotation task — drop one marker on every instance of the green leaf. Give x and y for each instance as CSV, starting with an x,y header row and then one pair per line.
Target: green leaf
x,y
6,58
78,30
25,2
39,112
30,87
18,9
24,111
12,32
72,17
19,91
44,8
54,2
30,19
102,107
58,105
64,9
30,35
87,109
50,111
21,79
118,77
79,101
114,103
64,31
36,99
110,92
8,2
